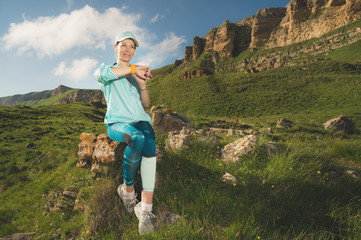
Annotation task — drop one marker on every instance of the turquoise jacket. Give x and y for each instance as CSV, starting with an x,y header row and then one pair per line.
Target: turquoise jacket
x,y
122,97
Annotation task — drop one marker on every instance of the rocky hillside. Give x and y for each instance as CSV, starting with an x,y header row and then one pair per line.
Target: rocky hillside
x,y
61,94
275,27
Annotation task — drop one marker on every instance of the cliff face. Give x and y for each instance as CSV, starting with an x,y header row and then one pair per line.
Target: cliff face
x,y
306,19
276,27
86,96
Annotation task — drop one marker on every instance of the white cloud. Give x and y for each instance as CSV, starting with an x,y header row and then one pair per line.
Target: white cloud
x,y
83,28
90,30
78,70
156,18
170,47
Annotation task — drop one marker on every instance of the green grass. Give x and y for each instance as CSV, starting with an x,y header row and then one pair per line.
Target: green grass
x,y
303,191
312,87
308,189
347,53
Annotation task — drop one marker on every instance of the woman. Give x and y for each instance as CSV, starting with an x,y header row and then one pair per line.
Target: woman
x,y
125,90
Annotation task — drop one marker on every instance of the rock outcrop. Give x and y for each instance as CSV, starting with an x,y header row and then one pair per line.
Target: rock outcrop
x,y
98,149
341,123
265,21
70,95
178,140
233,152
306,19
165,120
275,27
86,96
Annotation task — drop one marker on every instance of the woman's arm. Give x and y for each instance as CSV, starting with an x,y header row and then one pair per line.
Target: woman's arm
x,y
140,71
144,94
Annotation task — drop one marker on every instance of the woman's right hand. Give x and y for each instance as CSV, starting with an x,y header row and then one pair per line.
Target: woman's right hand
x,y
143,72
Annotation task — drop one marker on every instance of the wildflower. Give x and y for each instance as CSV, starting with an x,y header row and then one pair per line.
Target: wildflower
x,y
204,150
234,184
291,168
87,232
211,155
258,237
319,172
224,180
220,164
217,147
273,186
225,148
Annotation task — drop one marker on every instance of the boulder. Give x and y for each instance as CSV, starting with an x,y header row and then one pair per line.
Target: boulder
x,y
107,150
96,149
284,123
167,121
233,152
229,178
85,151
178,140
342,123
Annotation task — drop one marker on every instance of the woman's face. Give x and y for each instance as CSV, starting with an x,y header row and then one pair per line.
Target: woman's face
x,y
125,50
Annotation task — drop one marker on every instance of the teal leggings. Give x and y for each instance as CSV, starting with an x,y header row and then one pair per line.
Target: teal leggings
x,y
140,139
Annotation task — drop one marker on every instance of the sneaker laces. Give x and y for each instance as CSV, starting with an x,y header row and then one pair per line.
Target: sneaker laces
x,y
147,216
132,200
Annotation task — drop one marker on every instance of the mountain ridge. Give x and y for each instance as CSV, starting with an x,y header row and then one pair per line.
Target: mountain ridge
x,y
60,95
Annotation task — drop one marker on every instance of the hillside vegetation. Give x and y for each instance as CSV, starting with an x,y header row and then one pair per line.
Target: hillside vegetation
x,y
310,188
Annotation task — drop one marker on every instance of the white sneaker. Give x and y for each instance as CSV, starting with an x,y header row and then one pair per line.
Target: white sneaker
x,y
145,220
128,203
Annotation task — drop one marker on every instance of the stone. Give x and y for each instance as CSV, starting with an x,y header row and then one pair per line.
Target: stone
x,y
353,173
107,150
166,122
284,123
99,149
341,123
85,151
20,236
178,140
229,178
233,152
70,194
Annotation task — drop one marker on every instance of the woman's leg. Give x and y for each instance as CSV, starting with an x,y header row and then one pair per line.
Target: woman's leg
x,y
148,163
134,138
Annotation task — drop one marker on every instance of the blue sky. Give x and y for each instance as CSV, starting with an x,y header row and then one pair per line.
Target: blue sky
x,y
44,44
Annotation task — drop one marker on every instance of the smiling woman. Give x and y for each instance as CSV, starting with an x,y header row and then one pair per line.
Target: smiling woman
x,y
125,91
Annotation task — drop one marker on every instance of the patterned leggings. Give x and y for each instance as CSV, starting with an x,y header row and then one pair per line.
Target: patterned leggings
x,y
140,139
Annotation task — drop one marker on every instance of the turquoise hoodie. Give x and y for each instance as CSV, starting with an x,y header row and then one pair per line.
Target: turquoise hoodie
x,y
122,97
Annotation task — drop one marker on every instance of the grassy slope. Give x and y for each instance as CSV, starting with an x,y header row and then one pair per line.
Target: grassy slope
x,y
27,174
301,192
313,87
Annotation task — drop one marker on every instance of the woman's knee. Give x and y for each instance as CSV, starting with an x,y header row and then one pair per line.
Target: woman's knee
x,y
137,140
